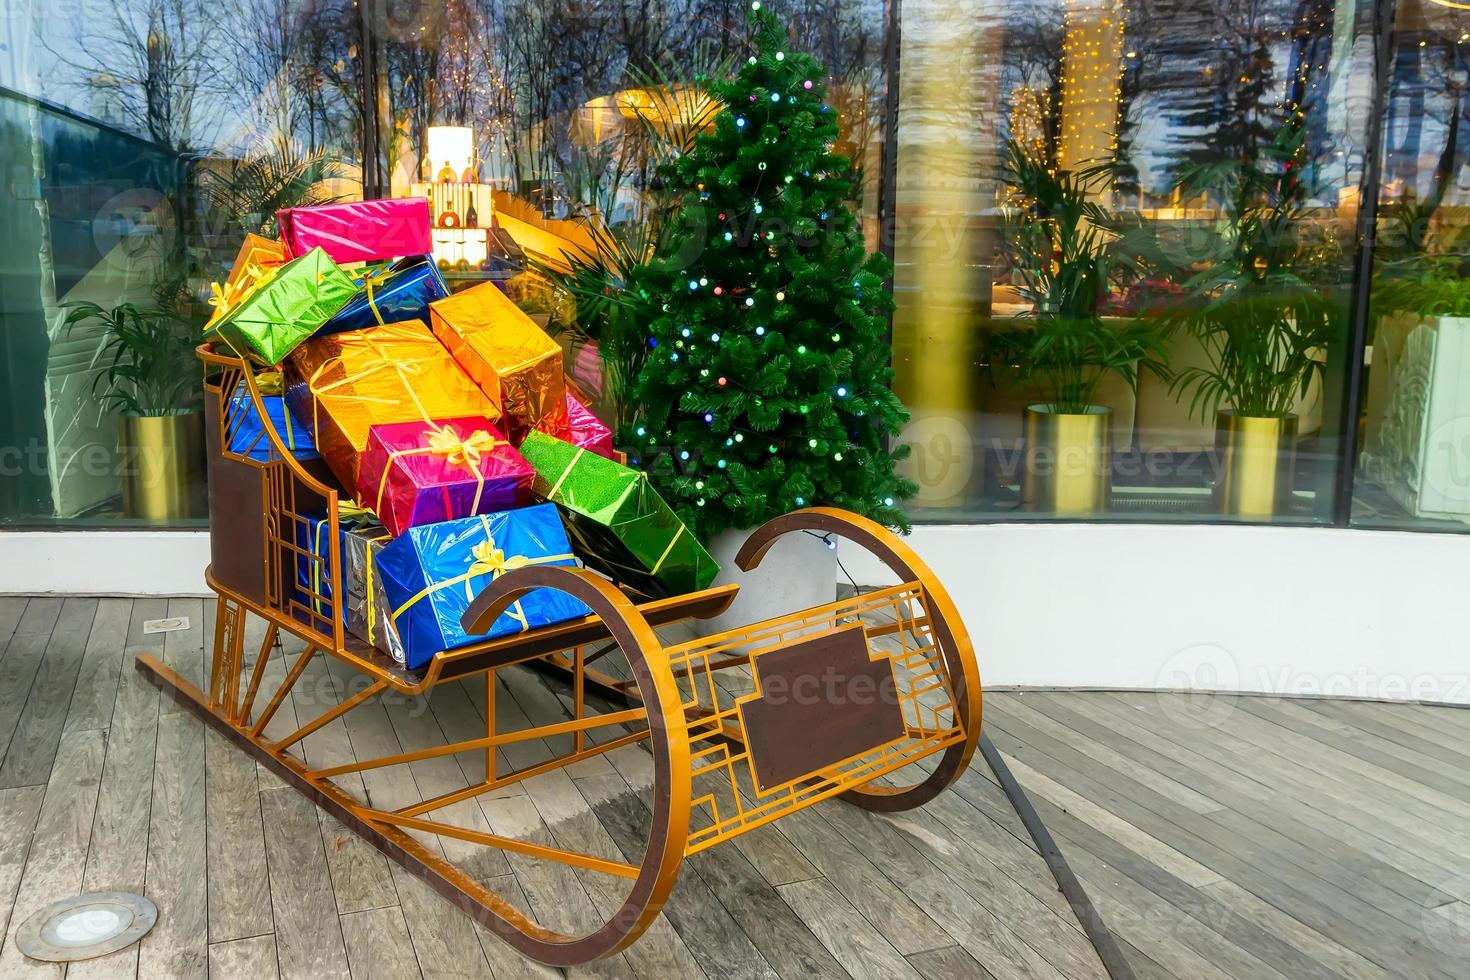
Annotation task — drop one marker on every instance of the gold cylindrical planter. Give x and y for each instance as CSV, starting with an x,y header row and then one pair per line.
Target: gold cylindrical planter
x,y
162,460
1068,461
1256,457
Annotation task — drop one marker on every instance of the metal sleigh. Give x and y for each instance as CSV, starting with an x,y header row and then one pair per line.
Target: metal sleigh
x,y
838,700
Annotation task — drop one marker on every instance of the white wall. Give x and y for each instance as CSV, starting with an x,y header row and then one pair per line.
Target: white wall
x,y
1313,611
1286,610
103,562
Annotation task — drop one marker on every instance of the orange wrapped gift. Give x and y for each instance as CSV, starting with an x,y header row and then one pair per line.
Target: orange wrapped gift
x,y
515,363
343,384
256,256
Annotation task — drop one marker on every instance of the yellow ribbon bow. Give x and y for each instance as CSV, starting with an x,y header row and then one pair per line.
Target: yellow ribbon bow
x,y
373,277
446,442
225,298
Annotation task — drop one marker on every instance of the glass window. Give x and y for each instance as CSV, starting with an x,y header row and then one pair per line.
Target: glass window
x,y
140,141
1414,468
535,129
1125,251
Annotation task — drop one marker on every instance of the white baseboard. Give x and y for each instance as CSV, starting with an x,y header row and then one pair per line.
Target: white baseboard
x,y
129,563
1323,612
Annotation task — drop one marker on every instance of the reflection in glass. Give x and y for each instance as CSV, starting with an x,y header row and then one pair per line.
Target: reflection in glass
x,y
1148,229
1414,469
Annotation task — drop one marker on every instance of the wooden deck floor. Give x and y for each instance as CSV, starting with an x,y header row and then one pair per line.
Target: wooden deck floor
x,y
1226,837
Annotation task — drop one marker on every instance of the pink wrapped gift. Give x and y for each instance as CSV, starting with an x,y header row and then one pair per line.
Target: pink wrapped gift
x,y
359,231
416,473
586,430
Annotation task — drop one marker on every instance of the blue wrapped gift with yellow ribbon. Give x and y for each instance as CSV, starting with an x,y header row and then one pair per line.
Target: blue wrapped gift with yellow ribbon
x,y
432,572
391,294
365,606
247,434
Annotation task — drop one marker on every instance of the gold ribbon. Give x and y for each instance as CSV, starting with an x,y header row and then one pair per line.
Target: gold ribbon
x,y
228,297
445,441
486,558
373,277
404,369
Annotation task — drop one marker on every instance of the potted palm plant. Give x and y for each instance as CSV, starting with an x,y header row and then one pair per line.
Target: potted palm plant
x,y
1261,322
145,356
1063,253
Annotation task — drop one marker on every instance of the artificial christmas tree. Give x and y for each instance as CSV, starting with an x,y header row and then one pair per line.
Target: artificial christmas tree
x,y
767,385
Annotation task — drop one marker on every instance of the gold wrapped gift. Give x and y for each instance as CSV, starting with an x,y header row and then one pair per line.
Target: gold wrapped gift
x,y
515,363
345,383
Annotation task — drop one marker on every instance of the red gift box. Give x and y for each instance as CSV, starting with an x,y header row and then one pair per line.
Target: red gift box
x,y
587,431
413,473
359,231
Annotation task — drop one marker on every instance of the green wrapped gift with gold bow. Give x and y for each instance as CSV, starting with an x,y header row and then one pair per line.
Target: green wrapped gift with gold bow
x,y
282,308
617,522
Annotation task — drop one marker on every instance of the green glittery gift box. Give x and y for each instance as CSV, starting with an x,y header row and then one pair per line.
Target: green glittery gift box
x,y
617,522
284,308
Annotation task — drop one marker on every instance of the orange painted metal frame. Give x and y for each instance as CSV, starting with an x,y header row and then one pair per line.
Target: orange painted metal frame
x,y
681,701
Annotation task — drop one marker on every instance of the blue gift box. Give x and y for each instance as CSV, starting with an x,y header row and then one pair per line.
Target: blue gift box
x,y
431,573
365,607
401,291
247,435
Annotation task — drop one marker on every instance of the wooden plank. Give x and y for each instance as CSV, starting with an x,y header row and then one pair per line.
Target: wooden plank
x,y
949,963
712,936
901,923
118,857
95,691
444,938
12,608
183,651
177,946
308,935
848,936
56,863
19,809
573,824
39,616
505,962
1339,914
1359,873
782,938
239,881
1199,904
38,730
378,946
1213,766
243,959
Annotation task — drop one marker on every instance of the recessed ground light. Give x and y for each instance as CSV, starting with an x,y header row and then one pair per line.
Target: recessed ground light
x,y
171,625
86,926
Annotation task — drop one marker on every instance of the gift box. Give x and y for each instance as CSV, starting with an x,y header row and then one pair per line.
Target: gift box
x,y
513,361
586,430
618,523
359,231
344,384
391,294
365,611
256,257
432,572
283,307
414,473
247,433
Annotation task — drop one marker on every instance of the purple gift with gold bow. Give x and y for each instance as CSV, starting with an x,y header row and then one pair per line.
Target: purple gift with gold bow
x,y
391,294
414,473
432,572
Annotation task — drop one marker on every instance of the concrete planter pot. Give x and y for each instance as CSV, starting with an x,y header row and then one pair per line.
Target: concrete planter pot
x,y
799,572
